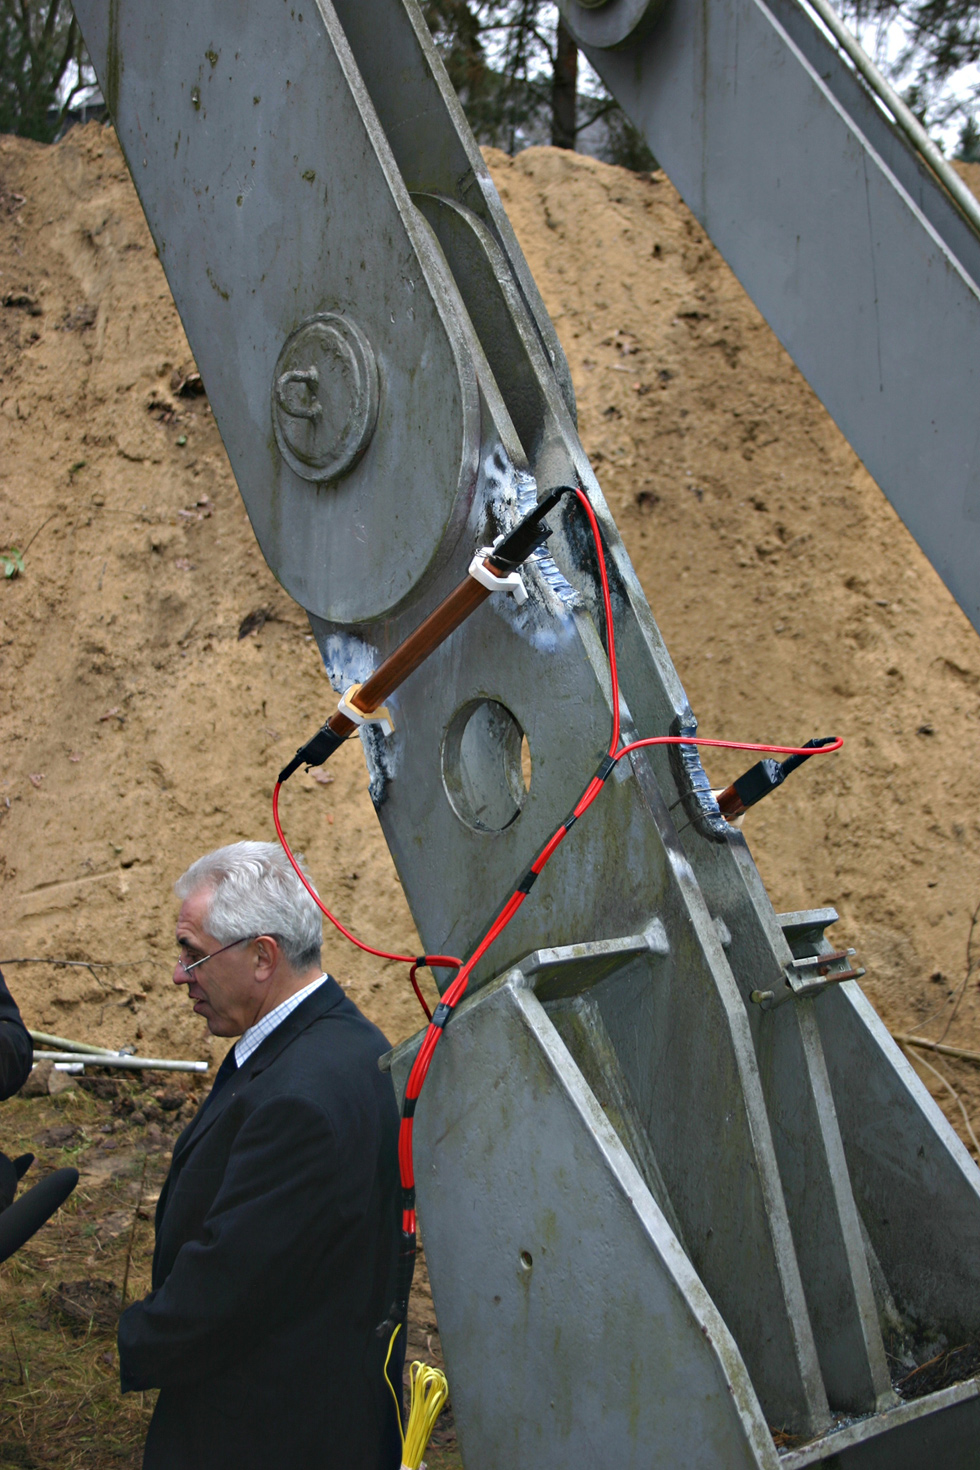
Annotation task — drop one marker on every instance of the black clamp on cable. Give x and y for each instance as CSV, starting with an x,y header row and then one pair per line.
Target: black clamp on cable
x,y
314,752
606,768
762,778
441,1015
530,533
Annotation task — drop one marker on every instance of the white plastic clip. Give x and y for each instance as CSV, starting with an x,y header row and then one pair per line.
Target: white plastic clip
x,y
512,582
357,716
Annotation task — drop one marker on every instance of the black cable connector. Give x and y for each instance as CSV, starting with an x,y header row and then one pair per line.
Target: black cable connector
x,y
529,533
606,768
320,748
441,1015
763,778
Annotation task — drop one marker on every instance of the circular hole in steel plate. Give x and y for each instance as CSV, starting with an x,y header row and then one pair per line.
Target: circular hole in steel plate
x,y
486,765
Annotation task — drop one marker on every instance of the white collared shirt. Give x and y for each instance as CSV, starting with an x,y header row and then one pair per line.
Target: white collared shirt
x,y
253,1038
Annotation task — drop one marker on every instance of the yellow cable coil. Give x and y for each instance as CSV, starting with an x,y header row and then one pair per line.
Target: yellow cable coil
x,y
428,1395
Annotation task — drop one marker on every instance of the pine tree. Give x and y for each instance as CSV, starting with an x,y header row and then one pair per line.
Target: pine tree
x,y
969,145
40,48
941,38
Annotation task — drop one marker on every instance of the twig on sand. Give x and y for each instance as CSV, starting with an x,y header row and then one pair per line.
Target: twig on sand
x,y
37,533
925,1044
956,1098
82,964
132,1233
20,1364
971,964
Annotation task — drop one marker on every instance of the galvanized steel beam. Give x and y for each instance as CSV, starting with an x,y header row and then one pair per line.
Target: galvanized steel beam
x,y
859,261
688,1166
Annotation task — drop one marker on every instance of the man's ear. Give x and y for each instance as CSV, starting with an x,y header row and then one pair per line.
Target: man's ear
x,y
267,956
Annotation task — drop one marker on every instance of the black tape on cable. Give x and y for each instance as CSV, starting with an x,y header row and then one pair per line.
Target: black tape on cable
x,y
441,1015
758,781
766,775
404,1276
530,533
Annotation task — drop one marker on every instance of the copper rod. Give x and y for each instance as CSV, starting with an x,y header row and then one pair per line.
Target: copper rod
x,y
341,725
730,803
407,657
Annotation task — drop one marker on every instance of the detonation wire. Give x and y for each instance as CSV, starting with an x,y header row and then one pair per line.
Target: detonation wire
x,y
428,1395
457,987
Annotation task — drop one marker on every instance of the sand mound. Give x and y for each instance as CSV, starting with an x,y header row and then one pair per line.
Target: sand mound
x,y
139,728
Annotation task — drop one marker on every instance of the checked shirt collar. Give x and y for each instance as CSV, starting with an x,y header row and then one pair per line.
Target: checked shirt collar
x,y
253,1038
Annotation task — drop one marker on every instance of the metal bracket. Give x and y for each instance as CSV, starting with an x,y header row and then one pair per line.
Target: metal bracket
x,y
380,716
569,969
809,976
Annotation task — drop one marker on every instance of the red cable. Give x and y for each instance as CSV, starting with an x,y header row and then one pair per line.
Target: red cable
x,y
607,614
415,986
730,745
443,960
454,992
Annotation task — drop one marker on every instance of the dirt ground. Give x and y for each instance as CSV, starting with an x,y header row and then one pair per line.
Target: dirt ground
x,y
140,725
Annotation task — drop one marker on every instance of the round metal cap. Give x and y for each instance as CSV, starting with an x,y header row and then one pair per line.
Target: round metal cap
x,y
325,397
608,23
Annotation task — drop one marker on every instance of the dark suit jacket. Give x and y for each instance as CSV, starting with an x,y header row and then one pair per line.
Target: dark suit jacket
x,y
16,1050
276,1240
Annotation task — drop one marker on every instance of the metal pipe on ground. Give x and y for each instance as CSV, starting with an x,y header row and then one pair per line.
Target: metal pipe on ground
x,y
113,1059
62,1042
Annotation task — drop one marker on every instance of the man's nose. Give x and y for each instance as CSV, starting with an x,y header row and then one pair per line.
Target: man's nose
x,y
181,976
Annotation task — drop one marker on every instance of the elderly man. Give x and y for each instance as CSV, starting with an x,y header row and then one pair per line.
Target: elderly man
x,y
276,1230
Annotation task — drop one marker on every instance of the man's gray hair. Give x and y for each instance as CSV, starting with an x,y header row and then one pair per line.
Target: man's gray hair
x,y
253,890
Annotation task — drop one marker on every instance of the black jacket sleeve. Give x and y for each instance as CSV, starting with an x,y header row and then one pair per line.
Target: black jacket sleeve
x,y
279,1193
16,1051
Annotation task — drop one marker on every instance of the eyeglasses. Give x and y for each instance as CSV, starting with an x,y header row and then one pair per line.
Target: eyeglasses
x,y
246,939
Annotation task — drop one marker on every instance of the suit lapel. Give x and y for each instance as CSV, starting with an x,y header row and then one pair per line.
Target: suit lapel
x,y
322,1001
